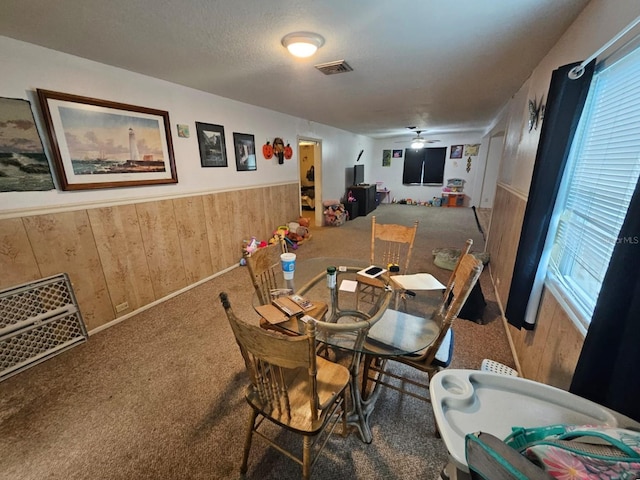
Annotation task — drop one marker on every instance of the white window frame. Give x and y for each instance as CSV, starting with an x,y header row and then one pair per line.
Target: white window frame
x,y
579,307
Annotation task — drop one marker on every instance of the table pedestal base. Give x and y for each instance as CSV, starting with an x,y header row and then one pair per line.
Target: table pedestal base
x,y
361,408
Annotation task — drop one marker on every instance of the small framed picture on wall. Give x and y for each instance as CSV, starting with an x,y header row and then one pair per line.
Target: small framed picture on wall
x,y
386,158
245,147
456,151
471,150
213,150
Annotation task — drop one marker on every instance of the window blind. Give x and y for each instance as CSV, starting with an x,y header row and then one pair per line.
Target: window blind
x,y
601,175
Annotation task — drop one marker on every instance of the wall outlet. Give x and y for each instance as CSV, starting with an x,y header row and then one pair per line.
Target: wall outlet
x,y
122,307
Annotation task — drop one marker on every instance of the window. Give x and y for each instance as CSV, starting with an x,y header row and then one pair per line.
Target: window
x,y
424,166
599,181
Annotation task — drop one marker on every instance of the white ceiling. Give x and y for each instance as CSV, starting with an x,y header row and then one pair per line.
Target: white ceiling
x,y
441,65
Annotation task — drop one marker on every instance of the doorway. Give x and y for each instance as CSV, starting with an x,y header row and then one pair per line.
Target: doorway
x,y
310,169
490,178
490,182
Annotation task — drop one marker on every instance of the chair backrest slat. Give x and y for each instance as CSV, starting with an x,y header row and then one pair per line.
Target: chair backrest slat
x,y
463,252
264,268
392,244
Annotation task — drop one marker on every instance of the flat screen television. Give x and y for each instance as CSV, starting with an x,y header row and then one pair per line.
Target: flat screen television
x,y
358,174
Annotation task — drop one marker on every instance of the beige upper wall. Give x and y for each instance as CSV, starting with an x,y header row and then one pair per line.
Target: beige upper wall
x,y
600,21
27,67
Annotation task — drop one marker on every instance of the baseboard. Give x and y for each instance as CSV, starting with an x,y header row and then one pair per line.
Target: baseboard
x,y
158,302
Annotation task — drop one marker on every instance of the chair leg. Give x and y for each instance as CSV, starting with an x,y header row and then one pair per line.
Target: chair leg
x,y
247,441
306,457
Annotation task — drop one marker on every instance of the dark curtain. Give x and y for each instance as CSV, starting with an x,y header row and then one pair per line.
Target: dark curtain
x,y
412,172
434,159
424,166
565,102
607,368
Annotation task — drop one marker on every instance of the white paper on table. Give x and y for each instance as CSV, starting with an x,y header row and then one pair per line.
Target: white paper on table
x,y
418,281
348,285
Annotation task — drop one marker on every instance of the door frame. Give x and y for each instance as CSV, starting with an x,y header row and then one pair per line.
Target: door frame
x,y
317,181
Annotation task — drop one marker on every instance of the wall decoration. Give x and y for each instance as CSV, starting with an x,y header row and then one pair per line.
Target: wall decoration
x,y
278,149
386,158
397,154
536,113
468,164
245,147
183,131
471,149
267,150
288,152
213,149
23,163
103,144
456,151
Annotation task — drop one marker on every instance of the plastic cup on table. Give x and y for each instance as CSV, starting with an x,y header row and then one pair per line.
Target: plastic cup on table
x,y
288,261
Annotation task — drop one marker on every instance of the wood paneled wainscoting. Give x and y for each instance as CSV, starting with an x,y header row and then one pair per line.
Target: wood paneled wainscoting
x,y
121,258
549,353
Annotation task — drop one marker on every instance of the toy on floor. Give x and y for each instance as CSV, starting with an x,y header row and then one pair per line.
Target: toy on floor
x,y
303,221
251,246
334,213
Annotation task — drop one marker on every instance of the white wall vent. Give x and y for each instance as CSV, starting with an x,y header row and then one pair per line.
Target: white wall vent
x,y
331,68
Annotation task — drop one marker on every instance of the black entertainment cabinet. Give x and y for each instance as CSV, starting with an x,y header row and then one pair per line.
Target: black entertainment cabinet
x,y
366,197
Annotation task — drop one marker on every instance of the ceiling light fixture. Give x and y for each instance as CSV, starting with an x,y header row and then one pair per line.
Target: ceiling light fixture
x,y
417,143
302,44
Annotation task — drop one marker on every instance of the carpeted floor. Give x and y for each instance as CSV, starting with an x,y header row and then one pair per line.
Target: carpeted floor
x,y
160,395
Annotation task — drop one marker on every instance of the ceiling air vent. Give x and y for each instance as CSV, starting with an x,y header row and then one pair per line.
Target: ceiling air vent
x,y
331,68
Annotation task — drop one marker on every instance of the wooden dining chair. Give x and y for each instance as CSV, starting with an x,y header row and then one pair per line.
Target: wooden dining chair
x,y
266,276
391,245
265,271
447,292
290,387
399,331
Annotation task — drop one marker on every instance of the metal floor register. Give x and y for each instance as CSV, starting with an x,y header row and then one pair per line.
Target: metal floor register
x,y
37,321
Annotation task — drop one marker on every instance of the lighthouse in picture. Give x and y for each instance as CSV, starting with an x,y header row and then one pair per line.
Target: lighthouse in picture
x,y
133,146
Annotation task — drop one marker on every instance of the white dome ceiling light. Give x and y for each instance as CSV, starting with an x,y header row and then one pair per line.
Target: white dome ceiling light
x,y
419,141
302,44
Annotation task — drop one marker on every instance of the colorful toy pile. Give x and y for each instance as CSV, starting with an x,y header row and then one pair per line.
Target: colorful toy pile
x,y
293,234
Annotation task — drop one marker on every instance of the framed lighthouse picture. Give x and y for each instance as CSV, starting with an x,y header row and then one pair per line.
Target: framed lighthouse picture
x,y
102,144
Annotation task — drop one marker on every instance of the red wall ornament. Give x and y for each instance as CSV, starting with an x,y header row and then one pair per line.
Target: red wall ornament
x,y
267,151
288,152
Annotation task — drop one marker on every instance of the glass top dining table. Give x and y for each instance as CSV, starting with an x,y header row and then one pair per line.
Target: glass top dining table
x,y
346,324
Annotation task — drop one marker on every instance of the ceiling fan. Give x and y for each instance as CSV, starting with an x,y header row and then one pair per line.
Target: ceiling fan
x,y
418,141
